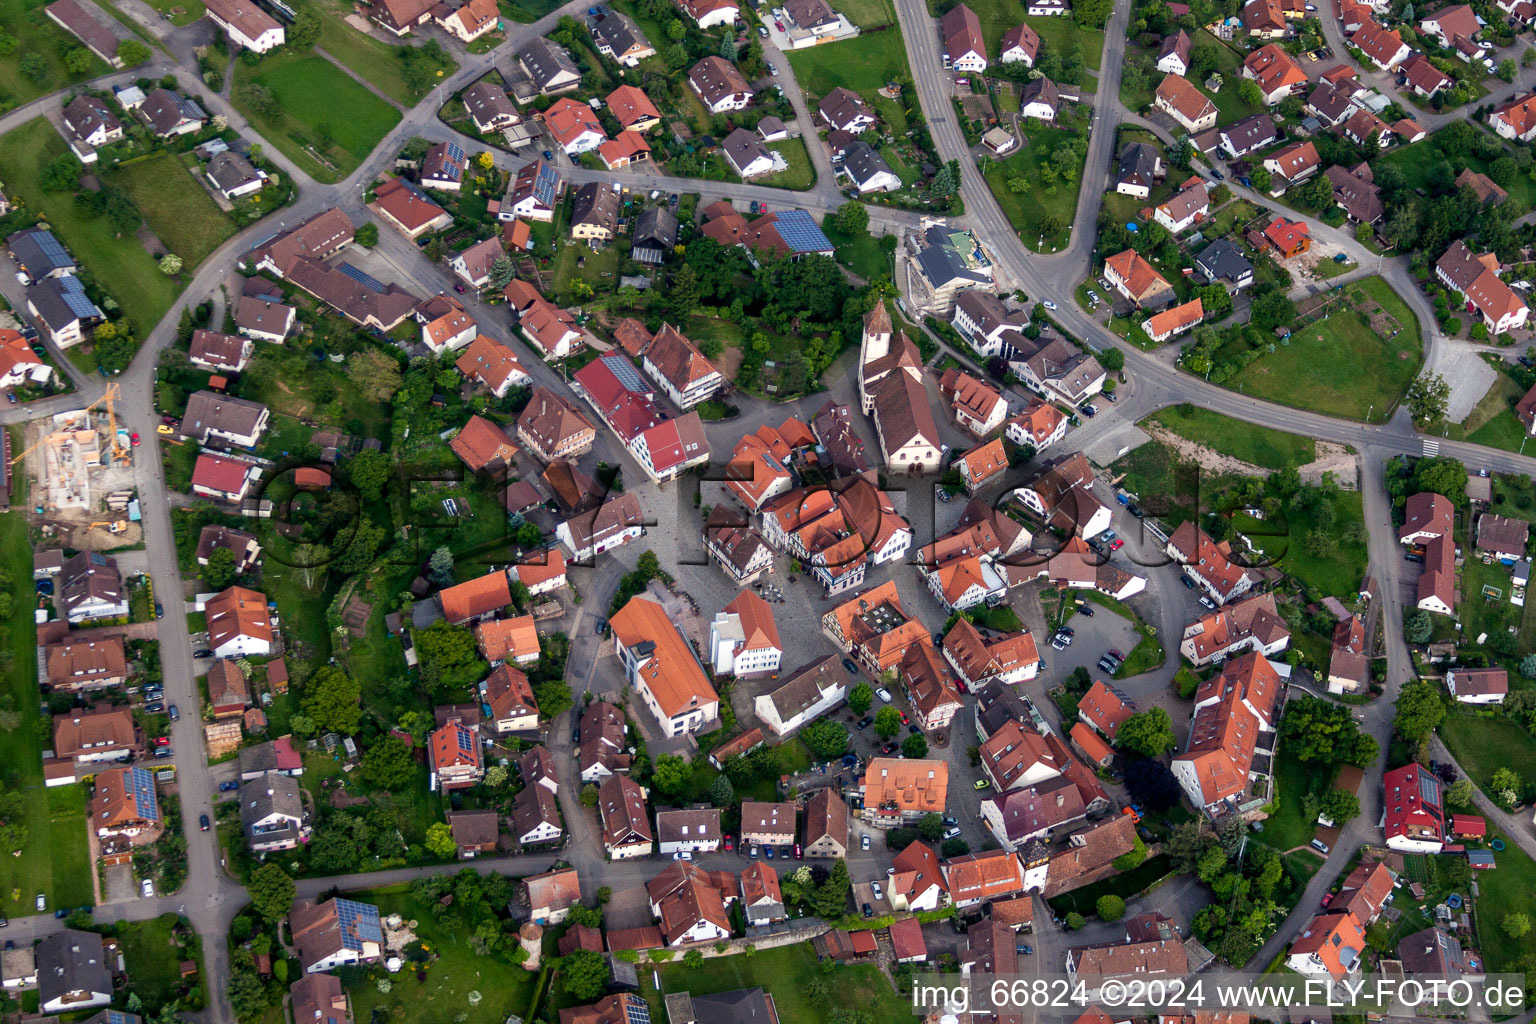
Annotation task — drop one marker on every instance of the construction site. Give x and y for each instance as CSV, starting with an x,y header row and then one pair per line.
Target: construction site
x,y
82,469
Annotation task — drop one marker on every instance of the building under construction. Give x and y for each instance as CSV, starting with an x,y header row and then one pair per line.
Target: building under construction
x,y
70,452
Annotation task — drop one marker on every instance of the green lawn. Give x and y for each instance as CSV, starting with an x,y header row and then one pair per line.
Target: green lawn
x,y
180,211
1144,657
799,175
329,123
373,59
120,265
1229,63
1484,745
1061,34
1335,573
863,64
1337,365
1492,421
1285,828
1509,887
154,957
869,13
54,860
443,998
1028,211
783,973
1261,446
25,22
1423,159
861,253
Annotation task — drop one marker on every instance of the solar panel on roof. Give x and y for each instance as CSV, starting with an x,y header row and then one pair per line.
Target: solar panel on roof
x,y
455,152
545,183
358,920
361,277
52,248
73,294
625,371
466,740
800,232
636,1012
144,796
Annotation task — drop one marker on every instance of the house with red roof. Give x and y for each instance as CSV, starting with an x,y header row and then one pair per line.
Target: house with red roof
x,y
1414,819
574,125
1468,826
455,757
1383,47
1516,119
1104,708
481,444
907,941
1276,72
222,478
1234,723
1332,947
1209,564
1091,746
1287,237
1133,277
1174,320
633,109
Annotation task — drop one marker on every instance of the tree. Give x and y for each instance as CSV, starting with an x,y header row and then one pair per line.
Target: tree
x,y
1427,398
930,827
826,738
1340,806
1318,731
1505,787
33,66
1110,907
448,656
1419,711
860,698
1149,733
361,548
220,571
1112,359
131,52
669,773
914,747
1093,13
589,795
377,376
1151,784
1516,924
501,272
1134,858
693,958
272,891
1459,793
77,60
1075,921
440,840
1442,474
369,469
440,567
388,764
1418,627
1258,175
368,235
721,792
851,218
334,700
887,722
831,898
585,974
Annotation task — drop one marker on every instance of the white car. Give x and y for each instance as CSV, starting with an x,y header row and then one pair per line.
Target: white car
x,y
148,887
864,842
884,694
874,887
1048,304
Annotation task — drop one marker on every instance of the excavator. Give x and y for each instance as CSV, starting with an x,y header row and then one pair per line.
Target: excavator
x,y
117,527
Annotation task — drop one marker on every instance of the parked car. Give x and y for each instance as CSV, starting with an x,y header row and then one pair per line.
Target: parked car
x,y
1090,410
202,822
42,902
864,842
1319,846
1027,950
981,784
865,722
953,833
951,820
850,666
884,695
228,787
1048,304
730,844
1189,584
762,31
174,713
768,852
203,653
868,910
874,887
1085,609
159,610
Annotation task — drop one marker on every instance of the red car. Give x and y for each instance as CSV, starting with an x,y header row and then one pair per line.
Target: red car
x,y
903,718
162,741
1117,544
730,844
1327,899
779,25
135,439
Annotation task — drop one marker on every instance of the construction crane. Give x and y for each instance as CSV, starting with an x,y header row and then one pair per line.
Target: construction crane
x,y
119,453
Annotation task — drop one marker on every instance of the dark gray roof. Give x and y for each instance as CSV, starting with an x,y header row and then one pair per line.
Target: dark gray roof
x,y
1221,260
230,170
1040,90
596,203
942,263
60,301
617,32
744,1006
546,61
1138,163
1251,133
742,147
997,704
39,251
486,102
165,110
209,411
655,228
71,961
87,113
260,759
862,162
269,795
804,689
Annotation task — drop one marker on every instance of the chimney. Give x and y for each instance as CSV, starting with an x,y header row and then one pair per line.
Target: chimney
x,y
1060,799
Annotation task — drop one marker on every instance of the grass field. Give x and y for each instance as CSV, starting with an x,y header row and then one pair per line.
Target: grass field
x,y
179,210
1510,887
1027,211
783,973
1337,573
869,13
799,175
373,59
860,253
1060,33
190,10
54,861
326,113
120,265
1338,365
25,22
153,958
1492,421
1484,745
1262,446
863,64
1285,829
1419,162
443,998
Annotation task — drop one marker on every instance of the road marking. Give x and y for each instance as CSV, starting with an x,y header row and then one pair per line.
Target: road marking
x,y
1431,446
